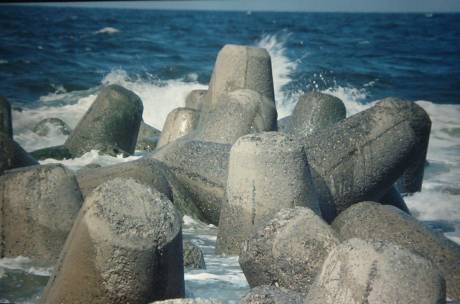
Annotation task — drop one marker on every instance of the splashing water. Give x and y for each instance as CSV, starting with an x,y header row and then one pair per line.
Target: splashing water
x,y
159,97
282,69
223,279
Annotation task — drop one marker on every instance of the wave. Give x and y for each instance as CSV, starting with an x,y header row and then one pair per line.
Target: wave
x,y
92,157
107,30
353,98
25,119
223,278
24,264
159,97
440,195
282,68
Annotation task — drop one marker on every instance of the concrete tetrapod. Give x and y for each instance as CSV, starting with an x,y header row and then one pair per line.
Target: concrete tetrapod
x,y
240,67
145,171
288,251
394,198
147,138
201,168
235,114
266,294
12,155
357,271
373,221
38,206
267,172
195,99
125,247
180,122
6,126
315,111
362,156
412,178
110,125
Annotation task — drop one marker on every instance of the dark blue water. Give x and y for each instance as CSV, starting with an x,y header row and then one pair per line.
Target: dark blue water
x,y
414,56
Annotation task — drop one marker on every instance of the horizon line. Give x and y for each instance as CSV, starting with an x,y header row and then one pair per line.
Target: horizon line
x,y
100,5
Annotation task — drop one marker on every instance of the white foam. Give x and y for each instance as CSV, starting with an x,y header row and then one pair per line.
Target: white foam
x,y
282,69
159,97
205,277
353,98
188,221
2,61
25,120
24,264
440,195
107,30
434,205
223,278
69,107
92,157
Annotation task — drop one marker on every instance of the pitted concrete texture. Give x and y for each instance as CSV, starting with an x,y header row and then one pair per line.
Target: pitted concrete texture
x,y
267,172
110,125
412,178
235,114
373,221
38,206
358,272
315,111
362,156
190,301
201,168
145,171
241,67
125,247
195,99
180,122
266,294
288,251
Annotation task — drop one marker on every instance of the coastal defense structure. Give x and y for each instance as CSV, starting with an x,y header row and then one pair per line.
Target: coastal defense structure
x,y
267,172
125,247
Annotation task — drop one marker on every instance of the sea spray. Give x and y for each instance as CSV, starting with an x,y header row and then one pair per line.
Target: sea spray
x,y
282,69
223,278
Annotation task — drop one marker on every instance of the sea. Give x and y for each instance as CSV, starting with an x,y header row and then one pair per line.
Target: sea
x,y
53,61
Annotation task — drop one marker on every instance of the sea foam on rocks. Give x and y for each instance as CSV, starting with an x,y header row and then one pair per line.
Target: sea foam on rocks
x,y
110,125
350,159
